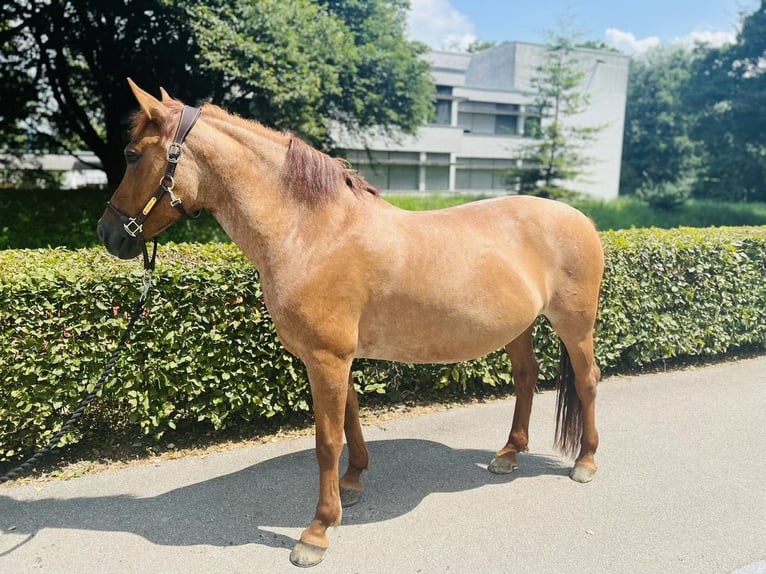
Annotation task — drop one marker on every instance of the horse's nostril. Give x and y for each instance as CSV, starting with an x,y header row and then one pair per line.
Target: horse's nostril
x,y
116,241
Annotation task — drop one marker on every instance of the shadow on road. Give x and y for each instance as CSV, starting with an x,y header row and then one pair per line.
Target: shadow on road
x,y
238,508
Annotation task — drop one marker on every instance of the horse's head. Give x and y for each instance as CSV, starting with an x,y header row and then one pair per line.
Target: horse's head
x,y
157,189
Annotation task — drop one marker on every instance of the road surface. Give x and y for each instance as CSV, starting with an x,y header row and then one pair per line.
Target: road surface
x,y
681,488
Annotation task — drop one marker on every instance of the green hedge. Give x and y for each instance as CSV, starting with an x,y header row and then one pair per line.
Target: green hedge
x,y
39,218
206,352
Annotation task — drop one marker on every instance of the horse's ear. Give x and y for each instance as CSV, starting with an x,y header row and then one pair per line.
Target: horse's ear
x,y
165,96
151,106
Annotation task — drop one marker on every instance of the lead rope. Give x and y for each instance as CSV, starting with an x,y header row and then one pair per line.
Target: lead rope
x,y
147,282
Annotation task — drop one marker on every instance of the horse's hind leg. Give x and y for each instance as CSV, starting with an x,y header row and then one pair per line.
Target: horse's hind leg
x,y
579,415
525,373
358,458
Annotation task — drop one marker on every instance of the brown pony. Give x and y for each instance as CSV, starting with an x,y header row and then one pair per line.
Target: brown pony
x,y
346,275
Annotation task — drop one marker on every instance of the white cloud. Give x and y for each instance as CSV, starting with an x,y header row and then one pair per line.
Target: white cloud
x,y
712,38
440,25
628,43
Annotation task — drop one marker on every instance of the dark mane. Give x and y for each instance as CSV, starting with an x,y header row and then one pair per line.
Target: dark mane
x,y
314,176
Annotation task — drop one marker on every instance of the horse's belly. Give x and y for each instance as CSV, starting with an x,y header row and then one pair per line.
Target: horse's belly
x,y
440,335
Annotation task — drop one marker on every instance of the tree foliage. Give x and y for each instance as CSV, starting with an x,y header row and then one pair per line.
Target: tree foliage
x,y
17,82
384,81
657,147
555,156
316,63
274,64
697,116
727,95
72,59
299,65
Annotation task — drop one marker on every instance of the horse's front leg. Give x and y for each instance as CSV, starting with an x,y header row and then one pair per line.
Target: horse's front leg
x,y
328,376
358,458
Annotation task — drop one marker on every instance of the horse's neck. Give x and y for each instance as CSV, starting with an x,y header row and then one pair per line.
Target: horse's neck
x,y
245,191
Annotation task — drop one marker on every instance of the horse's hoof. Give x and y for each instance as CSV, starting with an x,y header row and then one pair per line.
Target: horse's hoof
x,y
501,465
306,555
349,496
581,473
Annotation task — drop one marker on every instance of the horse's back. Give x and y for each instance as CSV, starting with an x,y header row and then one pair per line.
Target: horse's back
x,y
523,235
556,235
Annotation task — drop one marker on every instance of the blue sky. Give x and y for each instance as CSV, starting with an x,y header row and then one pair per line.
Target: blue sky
x,y
630,25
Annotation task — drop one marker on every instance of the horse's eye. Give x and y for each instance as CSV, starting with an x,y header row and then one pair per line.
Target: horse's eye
x,y
132,156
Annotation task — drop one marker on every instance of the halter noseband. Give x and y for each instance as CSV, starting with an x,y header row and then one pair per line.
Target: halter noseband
x,y
134,226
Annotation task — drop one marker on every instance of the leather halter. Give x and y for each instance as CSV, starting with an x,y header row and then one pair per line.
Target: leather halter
x,y
134,226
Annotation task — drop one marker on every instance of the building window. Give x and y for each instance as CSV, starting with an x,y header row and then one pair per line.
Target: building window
x,y
443,115
478,107
483,174
532,127
506,125
387,169
476,123
392,177
437,159
489,118
477,179
403,177
443,106
485,163
437,178
507,108
372,157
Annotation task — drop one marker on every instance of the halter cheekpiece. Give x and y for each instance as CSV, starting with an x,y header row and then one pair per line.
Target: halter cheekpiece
x,y
134,226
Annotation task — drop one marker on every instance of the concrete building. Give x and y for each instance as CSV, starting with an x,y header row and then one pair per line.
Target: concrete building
x,y
84,170
484,115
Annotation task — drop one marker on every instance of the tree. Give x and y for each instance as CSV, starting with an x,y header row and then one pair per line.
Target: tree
x,y
727,94
17,82
316,63
599,45
658,149
276,65
695,119
77,55
292,65
555,157
384,80
480,46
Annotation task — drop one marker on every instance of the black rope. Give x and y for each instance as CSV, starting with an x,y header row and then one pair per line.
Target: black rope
x,y
54,442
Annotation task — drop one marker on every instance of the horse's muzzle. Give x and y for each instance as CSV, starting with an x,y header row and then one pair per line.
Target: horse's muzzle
x,y
116,239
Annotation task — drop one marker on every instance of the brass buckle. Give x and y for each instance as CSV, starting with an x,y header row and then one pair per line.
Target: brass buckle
x,y
174,152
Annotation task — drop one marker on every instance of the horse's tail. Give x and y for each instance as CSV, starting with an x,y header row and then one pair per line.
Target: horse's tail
x,y
569,410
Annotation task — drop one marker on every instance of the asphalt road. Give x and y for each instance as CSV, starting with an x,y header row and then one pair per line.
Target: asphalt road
x,y
681,488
